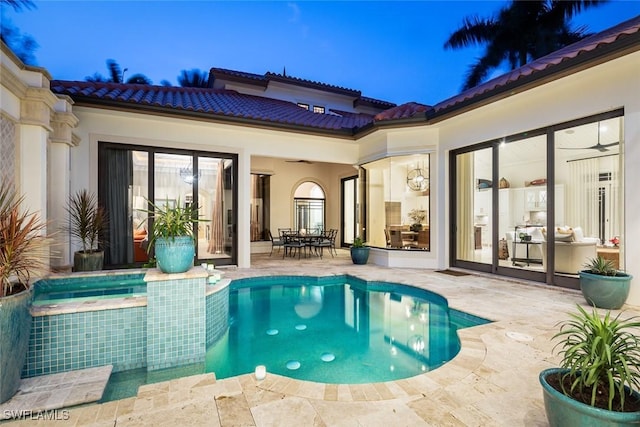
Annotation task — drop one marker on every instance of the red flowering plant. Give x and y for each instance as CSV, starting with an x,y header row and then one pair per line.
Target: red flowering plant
x,y
615,241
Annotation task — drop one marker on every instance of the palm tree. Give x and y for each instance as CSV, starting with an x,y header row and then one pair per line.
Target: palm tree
x,y
117,75
23,45
193,78
521,32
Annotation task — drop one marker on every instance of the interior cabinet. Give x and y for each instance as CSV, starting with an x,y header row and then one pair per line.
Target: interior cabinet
x,y
482,202
536,199
519,205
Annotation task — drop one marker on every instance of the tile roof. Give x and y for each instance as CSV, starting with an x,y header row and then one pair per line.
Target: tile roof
x,y
216,103
548,62
229,104
263,80
404,111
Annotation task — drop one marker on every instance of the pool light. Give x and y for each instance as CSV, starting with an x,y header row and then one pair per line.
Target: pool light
x,y
261,372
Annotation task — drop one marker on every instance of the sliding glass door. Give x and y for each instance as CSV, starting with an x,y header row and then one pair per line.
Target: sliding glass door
x,y
130,176
474,206
350,215
540,204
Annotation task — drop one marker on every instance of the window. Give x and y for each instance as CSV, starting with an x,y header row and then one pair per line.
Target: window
x,y
309,205
350,209
259,206
397,195
302,105
318,109
561,183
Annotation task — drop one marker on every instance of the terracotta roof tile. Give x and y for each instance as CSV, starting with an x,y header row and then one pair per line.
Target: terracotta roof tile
x,y
228,103
404,111
556,58
216,102
269,76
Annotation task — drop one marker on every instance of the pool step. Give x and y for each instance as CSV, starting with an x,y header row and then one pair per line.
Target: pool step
x,y
44,396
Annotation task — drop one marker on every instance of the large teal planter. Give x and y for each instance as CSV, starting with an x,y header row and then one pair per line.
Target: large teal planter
x,y
563,411
15,327
608,292
360,255
175,255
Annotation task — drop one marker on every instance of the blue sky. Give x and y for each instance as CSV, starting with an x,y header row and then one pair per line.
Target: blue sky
x,y
388,50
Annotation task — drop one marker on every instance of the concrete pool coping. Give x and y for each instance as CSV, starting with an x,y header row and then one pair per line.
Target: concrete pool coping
x,y
493,381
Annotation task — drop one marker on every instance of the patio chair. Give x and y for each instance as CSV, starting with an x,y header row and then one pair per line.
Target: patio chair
x,y
275,242
292,244
325,241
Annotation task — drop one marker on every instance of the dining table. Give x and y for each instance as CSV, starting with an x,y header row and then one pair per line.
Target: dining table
x,y
299,240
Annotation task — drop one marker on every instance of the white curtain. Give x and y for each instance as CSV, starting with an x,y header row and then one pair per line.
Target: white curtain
x,y
613,206
216,240
465,210
583,195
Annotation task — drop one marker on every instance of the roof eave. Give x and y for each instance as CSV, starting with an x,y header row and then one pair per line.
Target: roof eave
x,y
345,133
626,45
415,120
263,83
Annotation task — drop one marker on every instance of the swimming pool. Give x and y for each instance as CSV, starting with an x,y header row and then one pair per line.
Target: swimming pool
x,y
369,331
86,288
336,330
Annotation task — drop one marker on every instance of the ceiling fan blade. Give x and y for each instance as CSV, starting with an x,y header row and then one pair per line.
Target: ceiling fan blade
x,y
609,145
598,146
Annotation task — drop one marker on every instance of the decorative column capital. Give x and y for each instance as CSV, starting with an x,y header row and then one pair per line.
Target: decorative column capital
x,y
37,106
62,124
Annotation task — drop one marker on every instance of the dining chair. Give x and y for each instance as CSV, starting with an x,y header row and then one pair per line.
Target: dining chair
x,y
292,243
324,241
275,242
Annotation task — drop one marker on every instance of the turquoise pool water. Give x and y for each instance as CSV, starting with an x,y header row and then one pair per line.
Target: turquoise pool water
x,y
77,289
337,329
336,332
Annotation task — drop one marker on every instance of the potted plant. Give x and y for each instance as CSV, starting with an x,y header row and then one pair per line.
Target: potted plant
x,y
603,285
87,222
417,216
172,236
359,252
597,384
23,255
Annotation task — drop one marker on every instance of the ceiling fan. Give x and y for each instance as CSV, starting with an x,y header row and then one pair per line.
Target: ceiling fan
x,y
300,161
598,146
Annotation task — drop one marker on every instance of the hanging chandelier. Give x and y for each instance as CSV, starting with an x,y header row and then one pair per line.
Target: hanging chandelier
x,y
416,180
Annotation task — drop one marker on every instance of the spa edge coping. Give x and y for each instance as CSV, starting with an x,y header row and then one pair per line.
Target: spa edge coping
x,y
126,302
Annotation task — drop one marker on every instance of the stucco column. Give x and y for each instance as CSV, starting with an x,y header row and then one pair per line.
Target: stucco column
x,y
631,243
33,136
35,118
61,141
244,202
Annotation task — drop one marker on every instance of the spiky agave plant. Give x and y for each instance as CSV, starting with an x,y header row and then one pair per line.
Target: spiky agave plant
x,y
601,266
602,355
24,246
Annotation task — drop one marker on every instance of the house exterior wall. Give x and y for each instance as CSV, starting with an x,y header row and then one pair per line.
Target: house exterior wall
x,y
606,87
35,124
98,125
32,110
